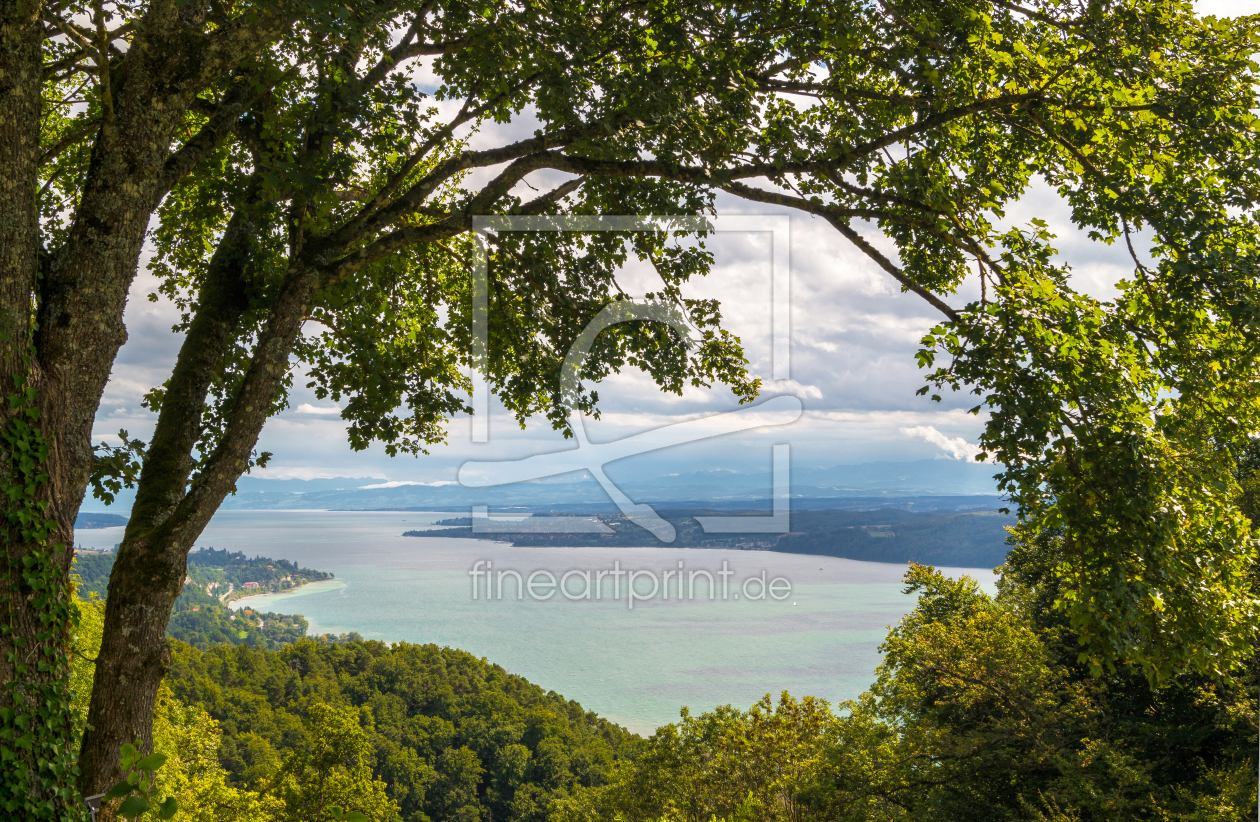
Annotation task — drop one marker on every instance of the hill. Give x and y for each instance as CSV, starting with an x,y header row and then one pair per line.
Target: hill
x,y
92,521
201,615
452,736
646,482
966,539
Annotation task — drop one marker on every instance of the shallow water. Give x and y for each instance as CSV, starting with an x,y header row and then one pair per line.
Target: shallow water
x,y
636,666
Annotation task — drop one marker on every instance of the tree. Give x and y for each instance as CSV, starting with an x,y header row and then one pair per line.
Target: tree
x,y
981,710
185,734
928,120
455,792
335,776
327,190
450,735
64,281
193,774
310,211
726,764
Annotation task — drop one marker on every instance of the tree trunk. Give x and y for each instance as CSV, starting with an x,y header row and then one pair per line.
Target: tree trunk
x,y
152,560
78,293
36,732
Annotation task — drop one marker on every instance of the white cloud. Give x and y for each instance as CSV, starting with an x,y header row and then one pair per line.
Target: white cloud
x,y
956,446
303,472
307,408
796,389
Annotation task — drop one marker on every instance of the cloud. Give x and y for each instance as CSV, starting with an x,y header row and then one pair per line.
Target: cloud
x,y
957,446
796,389
305,472
307,408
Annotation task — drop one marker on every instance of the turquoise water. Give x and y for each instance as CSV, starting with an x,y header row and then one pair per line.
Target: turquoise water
x,y
635,666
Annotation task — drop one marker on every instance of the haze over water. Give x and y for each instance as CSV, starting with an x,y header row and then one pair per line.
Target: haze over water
x,y
634,666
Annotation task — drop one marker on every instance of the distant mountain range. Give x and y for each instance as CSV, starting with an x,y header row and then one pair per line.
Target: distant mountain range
x,y
87,521
875,480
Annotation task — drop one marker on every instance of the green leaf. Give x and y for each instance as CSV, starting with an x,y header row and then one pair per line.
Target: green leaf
x,y
152,762
121,789
132,807
168,808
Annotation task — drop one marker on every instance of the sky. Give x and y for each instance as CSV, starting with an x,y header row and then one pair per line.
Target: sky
x,y
853,337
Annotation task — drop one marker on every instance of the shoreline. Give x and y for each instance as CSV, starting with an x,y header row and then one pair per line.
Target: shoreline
x,y
306,588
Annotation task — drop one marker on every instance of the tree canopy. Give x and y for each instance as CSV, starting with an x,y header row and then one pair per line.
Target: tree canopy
x,y
979,710
313,208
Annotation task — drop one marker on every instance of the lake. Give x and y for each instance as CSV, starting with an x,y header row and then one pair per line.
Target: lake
x,y
634,665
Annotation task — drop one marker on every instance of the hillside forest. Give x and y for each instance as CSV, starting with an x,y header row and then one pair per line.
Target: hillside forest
x,y
201,615
983,708
399,209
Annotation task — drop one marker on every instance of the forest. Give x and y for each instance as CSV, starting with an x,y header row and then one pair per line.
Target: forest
x,y
389,211
982,709
201,616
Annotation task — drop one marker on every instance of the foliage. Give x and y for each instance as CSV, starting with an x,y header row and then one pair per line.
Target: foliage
x,y
92,574
200,616
38,727
451,737
216,624
87,642
980,711
1108,415
1105,414
115,467
193,775
208,569
728,764
299,176
983,709
332,776
186,735
209,565
137,792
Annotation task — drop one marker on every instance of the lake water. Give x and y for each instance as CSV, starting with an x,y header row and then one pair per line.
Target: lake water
x,y
636,666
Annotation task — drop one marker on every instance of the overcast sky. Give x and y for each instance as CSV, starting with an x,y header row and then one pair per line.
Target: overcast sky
x,y
853,340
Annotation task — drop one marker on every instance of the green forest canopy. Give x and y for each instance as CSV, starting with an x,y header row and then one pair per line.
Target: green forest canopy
x,y
980,710
296,174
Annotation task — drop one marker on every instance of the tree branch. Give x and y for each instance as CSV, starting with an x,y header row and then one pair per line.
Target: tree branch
x,y
838,218
244,92
68,139
411,199
360,222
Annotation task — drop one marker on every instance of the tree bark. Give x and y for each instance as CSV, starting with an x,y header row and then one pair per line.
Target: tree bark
x,y
21,67
152,560
80,326
29,681
78,292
